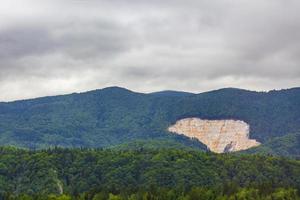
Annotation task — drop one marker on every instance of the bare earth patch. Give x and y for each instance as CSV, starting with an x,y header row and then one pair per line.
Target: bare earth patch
x,y
218,135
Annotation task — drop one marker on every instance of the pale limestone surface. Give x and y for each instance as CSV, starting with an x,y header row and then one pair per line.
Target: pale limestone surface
x,y
218,135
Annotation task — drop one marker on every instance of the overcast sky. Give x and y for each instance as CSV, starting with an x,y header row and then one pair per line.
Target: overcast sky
x,y
50,47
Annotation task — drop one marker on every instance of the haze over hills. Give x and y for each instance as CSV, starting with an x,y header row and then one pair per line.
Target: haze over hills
x,y
112,116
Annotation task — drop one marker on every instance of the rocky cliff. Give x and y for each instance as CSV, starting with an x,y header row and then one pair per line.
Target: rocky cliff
x,y
219,135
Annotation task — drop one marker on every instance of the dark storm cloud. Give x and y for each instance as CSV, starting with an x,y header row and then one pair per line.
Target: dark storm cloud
x,y
61,46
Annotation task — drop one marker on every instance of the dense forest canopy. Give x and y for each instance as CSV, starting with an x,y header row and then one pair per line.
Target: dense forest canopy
x,y
113,116
287,146
86,173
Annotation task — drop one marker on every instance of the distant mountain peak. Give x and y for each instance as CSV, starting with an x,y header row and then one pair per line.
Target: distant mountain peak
x,y
112,89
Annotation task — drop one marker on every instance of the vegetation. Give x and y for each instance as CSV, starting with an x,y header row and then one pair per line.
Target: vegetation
x,y
112,116
196,193
144,174
153,144
288,146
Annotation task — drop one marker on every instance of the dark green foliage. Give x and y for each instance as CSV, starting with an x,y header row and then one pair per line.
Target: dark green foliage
x,y
153,144
170,172
288,146
168,93
113,116
197,193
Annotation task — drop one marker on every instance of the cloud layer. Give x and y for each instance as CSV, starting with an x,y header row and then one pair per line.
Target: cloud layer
x,y
61,46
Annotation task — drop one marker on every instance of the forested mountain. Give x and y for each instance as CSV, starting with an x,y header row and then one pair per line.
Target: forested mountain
x,y
163,174
113,116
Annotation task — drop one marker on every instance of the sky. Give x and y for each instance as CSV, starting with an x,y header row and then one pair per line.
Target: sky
x,y
53,47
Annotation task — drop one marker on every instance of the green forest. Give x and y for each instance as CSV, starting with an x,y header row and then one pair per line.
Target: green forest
x,y
149,100
113,116
114,144
287,146
144,173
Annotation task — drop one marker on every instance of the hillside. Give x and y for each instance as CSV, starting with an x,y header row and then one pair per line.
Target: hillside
x,y
288,146
89,171
113,116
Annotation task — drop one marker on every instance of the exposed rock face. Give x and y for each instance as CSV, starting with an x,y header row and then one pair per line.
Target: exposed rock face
x,y
219,135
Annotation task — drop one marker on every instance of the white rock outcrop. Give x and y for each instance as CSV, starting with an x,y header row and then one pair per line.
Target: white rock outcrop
x,y
218,135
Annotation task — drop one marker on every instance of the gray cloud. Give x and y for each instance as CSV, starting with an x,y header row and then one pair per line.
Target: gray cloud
x,y
21,41
61,46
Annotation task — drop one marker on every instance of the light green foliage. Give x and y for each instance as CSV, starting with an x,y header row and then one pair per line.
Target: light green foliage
x,y
114,197
61,197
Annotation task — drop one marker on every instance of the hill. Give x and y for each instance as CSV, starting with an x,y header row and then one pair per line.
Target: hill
x,y
113,116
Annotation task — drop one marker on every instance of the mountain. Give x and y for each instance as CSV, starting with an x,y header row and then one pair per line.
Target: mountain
x,y
112,116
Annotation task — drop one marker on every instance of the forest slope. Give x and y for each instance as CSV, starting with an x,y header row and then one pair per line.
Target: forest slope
x,y
113,116
75,171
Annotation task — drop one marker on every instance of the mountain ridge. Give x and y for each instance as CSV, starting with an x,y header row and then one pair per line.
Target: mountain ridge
x,y
152,93
115,115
